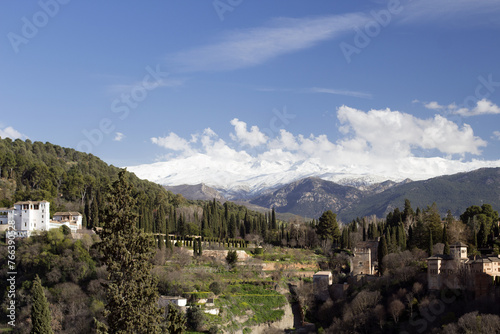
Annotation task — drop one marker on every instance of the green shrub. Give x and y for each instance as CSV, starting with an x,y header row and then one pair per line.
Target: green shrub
x,y
215,287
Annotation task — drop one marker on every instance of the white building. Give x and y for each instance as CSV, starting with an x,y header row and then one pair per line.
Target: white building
x,y
71,219
178,301
322,280
29,216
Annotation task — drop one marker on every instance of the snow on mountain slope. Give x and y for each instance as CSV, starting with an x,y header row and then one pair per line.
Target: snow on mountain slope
x,y
249,177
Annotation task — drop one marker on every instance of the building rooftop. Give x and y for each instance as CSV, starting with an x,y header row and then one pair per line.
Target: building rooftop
x,y
61,222
323,273
69,213
440,257
31,202
488,259
458,244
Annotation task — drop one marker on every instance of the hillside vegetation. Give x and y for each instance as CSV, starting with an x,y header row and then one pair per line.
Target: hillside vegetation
x,y
312,196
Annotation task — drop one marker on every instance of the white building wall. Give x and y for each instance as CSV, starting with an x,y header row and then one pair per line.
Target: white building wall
x,y
56,224
44,213
32,216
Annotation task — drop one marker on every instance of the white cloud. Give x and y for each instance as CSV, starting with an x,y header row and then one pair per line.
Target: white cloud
x,y
342,92
434,106
250,47
450,11
172,142
10,132
252,138
119,136
483,107
254,46
395,134
496,135
377,142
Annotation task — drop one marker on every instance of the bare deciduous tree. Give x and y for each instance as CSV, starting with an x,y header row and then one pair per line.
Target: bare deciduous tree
x,y
380,313
396,307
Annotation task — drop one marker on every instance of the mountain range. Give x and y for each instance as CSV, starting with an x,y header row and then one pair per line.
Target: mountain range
x,y
352,196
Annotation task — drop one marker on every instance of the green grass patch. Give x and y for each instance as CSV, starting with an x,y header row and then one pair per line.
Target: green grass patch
x,y
246,305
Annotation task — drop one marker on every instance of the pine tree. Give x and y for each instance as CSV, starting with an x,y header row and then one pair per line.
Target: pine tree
x,y
132,294
40,314
328,228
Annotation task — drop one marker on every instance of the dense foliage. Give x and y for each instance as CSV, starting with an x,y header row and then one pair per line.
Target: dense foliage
x,y
131,290
40,314
73,181
76,181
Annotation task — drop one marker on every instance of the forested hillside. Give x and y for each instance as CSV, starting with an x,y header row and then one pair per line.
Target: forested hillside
x,y
72,180
311,196
76,181
452,193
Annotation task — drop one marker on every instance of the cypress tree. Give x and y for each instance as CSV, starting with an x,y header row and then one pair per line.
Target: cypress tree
x,y
431,243
176,322
231,227
482,235
94,213
40,314
86,215
195,248
344,242
409,242
274,226
168,242
161,241
446,250
131,291
382,252
445,235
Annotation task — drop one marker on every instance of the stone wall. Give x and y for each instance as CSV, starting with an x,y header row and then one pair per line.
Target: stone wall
x,y
362,262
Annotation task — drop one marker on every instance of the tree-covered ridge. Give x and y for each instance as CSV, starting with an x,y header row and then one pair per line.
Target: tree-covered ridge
x,y
70,180
76,181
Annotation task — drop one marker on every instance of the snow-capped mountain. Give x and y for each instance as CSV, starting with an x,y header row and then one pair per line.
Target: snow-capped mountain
x,y
247,180
248,177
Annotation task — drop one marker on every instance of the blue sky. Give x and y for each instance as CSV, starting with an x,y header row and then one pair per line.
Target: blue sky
x,y
132,82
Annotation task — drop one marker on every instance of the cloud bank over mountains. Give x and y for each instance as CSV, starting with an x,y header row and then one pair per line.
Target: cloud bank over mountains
x,y
376,144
